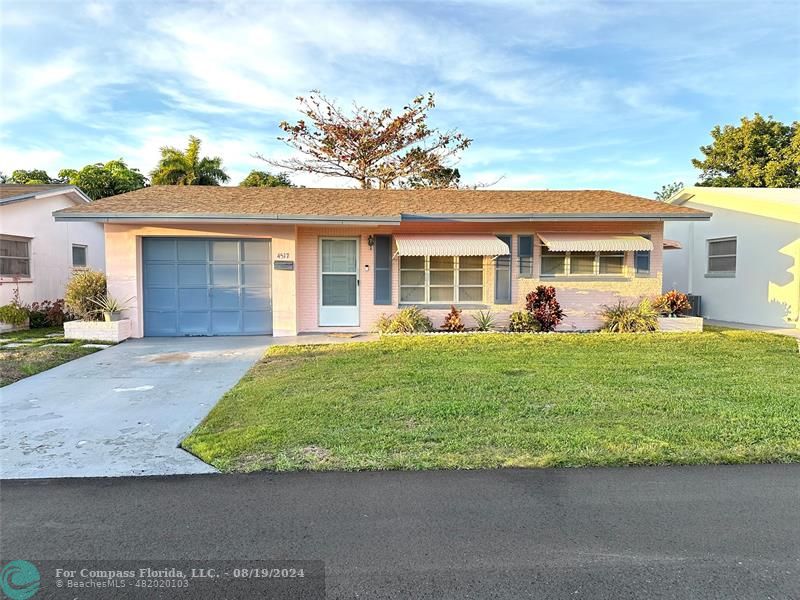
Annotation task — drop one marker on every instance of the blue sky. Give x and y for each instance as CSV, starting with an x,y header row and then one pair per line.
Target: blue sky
x,y
556,94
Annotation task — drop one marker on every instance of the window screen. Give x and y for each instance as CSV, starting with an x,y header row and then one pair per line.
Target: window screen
x,y
722,256
15,257
78,256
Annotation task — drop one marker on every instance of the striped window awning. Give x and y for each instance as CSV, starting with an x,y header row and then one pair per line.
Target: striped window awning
x,y
672,245
450,245
594,242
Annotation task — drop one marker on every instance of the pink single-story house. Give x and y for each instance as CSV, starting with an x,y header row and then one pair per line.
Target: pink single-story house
x,y
228,260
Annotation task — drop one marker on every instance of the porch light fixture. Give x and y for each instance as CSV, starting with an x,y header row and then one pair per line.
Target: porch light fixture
x,y
371,241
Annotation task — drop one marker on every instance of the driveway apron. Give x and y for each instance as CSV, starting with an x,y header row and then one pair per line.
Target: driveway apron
x,y
121,411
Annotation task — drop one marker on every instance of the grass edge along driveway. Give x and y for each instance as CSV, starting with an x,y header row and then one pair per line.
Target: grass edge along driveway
x,y
466,402
38,353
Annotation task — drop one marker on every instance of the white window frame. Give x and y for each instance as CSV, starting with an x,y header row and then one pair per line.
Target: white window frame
x,y
86,257
427,285
595,264
709,242
29,258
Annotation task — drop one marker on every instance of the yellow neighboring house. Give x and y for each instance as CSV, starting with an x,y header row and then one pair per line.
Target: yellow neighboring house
x,y
744,262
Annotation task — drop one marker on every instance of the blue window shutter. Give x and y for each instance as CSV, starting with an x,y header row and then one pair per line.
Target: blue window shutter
x,y
383,269
641,260
525,253
502,275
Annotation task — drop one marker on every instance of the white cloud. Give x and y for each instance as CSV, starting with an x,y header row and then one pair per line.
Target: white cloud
x,y
543,87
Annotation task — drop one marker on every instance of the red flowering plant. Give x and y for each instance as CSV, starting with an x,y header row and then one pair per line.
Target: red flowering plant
x,y
452,322
672,304
544,307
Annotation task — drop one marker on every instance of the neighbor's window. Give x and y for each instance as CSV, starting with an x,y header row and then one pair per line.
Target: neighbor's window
x,y
78,256
582,263
15,256
441,279
722,256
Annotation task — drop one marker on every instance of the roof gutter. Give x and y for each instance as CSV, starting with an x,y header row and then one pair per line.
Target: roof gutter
x,y
273,219
695,216
378,220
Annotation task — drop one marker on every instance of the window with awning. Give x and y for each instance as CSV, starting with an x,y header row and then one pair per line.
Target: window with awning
x,y
582,254
594,242
445,269
451,245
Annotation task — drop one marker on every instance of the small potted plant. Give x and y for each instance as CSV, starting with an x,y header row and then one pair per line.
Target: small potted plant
x,y
110,307
672,306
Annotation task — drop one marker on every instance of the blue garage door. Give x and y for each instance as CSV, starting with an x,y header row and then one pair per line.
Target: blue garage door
x,y
198,286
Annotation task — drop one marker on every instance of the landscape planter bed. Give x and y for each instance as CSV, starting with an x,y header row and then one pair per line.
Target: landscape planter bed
x,y
680,324
105,331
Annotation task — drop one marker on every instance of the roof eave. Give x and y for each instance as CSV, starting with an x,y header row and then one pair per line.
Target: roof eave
x,y
67,189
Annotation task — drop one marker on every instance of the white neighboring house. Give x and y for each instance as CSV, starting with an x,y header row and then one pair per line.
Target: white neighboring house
x,y
745,261
37,254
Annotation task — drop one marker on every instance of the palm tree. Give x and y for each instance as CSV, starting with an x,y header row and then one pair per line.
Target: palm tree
x,y
178,167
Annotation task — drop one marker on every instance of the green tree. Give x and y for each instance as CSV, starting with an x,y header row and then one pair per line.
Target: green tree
x,y
440,178
375,148
32,177
758,153
264,179
669,190
186,167
102,180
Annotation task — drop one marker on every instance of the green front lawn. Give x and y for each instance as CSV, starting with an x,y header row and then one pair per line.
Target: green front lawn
x,y
36,355
426,402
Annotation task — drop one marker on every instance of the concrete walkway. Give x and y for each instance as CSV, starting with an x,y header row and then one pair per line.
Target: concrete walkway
x,y
791,332
123,411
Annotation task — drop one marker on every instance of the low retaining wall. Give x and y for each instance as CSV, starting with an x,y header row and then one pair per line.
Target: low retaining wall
x,y
680,324
113,331
8,327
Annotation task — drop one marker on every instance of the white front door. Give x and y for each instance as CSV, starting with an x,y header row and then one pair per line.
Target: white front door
x,y
338,282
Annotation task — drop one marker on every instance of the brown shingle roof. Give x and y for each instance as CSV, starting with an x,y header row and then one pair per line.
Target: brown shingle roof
x,y
321,203
12,190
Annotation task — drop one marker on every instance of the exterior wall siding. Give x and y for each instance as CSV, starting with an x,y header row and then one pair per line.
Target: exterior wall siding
x,y
766,287
296,294
50,247
580,300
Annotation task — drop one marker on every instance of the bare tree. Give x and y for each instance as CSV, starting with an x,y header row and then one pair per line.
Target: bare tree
x,y
374,148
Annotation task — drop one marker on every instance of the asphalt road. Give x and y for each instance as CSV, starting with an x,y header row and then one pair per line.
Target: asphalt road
x,y
681,532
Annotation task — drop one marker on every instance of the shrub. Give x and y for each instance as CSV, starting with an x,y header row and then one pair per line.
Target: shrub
x,y
522,321
47,313
13,314
672,303
453,322
408,320
81,288
630,318
484,320
544,307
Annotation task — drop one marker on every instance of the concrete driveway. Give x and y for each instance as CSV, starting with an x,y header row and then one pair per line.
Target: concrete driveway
x,y
121,411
